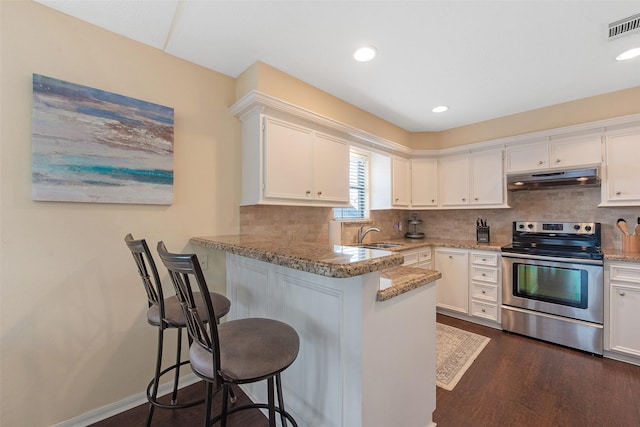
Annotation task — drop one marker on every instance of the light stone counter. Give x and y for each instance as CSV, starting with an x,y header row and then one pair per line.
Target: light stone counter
x,y
348,327
317,258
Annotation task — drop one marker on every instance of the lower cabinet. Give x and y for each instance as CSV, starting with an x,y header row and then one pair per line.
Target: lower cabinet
x,y
485,285
470,285
452,290
624,308
420,258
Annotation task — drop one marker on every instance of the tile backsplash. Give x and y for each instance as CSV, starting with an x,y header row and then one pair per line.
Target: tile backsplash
x,y
566,204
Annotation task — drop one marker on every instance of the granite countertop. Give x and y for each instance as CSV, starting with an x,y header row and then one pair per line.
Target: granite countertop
x,y
317,258
408,244
396,281
618,255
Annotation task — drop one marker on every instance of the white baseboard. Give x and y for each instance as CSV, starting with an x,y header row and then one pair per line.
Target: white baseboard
x,y
124,404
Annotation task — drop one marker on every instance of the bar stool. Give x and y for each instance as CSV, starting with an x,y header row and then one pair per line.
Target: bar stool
x,y
235,352
165,313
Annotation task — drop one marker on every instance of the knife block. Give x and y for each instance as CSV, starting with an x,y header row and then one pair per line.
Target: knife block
x,y
631,243
482,234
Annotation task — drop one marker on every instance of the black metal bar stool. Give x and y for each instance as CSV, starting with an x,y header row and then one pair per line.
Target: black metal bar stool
x,y
164,313
234,352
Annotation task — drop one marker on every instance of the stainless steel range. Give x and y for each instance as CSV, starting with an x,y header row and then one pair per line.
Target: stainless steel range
x,y
553,286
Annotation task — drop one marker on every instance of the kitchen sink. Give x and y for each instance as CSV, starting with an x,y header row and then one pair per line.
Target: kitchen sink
x,y
379,245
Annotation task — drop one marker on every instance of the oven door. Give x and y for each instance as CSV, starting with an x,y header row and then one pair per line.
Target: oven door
x,y
560,286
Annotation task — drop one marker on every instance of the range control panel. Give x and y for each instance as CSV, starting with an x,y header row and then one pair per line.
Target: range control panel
x,y
555,227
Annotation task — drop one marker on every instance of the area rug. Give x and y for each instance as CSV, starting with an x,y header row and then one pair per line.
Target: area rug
x,y
455,352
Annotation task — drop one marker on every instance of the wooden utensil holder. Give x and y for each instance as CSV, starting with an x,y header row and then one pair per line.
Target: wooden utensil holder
x,y
631,243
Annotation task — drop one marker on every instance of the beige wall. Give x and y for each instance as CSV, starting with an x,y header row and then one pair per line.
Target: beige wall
x,y
73,330
610,105
269,80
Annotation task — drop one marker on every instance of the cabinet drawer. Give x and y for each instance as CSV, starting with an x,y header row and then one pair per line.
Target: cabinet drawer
x,y
484,291
484,309
629,273
484,274
484,259
410,258
425,254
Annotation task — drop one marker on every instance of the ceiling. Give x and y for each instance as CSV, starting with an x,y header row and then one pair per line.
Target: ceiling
x,y
483,59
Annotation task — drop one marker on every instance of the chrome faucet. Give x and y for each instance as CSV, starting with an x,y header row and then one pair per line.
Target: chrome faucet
x,y
362,233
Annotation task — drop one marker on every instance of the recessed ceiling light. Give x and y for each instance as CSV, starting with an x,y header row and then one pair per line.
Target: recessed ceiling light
x,y
365,53
440,109
628,54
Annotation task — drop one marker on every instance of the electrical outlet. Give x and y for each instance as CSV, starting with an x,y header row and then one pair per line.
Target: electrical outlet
x,y
204,261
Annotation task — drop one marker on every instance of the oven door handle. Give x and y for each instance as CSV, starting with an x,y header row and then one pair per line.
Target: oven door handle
x,y
553,258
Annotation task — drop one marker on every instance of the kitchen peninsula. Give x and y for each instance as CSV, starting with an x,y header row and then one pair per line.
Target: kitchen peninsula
x,y
366,324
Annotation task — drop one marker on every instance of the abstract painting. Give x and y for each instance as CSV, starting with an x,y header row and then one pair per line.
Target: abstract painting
x,y
89,145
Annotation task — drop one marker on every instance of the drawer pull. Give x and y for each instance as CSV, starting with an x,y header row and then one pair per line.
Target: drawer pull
x,y
621,293
483,310
483,275
484,292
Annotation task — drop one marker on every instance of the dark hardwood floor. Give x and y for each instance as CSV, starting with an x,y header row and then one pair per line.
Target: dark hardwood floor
x,y
519,381
515,381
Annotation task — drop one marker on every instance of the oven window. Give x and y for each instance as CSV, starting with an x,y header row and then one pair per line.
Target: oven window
x,y
565,286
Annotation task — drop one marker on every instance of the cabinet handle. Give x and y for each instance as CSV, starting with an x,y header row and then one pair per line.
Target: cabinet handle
x,y
484,292
450,257
433,200
483,310
483,274
308,192
558,160
319,193
476,199
464,200
540,162
621,293
484,259
618,193
397,200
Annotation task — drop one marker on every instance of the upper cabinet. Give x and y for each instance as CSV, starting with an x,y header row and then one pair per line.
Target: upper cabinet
x,y
286,163
622,176
424,183
400,182
561,152
475,179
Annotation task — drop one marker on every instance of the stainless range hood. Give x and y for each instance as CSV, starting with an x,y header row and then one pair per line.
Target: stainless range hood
x,y
589,177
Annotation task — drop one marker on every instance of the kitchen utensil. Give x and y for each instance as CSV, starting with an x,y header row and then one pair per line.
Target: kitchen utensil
x,y
621,225
414,233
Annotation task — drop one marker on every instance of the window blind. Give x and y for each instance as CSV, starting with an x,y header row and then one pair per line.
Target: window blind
x,y
358,188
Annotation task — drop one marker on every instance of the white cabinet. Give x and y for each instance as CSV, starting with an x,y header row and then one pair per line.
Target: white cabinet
x,y
454,180
622,172
485,285
424,182
624,308
400,182
487,178
288,163
420,258
474,179
452,290
560,152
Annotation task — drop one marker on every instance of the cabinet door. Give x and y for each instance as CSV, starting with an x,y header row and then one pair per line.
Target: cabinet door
x,y
528,157
571,152
624,318
452,290
287,160
424,182
454,180
401,181
487,181
623,173
330,168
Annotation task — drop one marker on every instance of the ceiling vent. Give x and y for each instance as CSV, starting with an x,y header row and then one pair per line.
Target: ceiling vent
x,y
623,27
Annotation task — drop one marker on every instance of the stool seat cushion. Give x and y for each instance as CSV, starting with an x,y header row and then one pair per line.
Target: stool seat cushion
x,y
173,311
250,350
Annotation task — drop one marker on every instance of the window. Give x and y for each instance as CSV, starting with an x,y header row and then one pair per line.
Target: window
x,y
358,188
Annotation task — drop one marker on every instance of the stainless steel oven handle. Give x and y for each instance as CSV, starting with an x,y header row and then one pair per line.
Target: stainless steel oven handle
x,y
553,258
